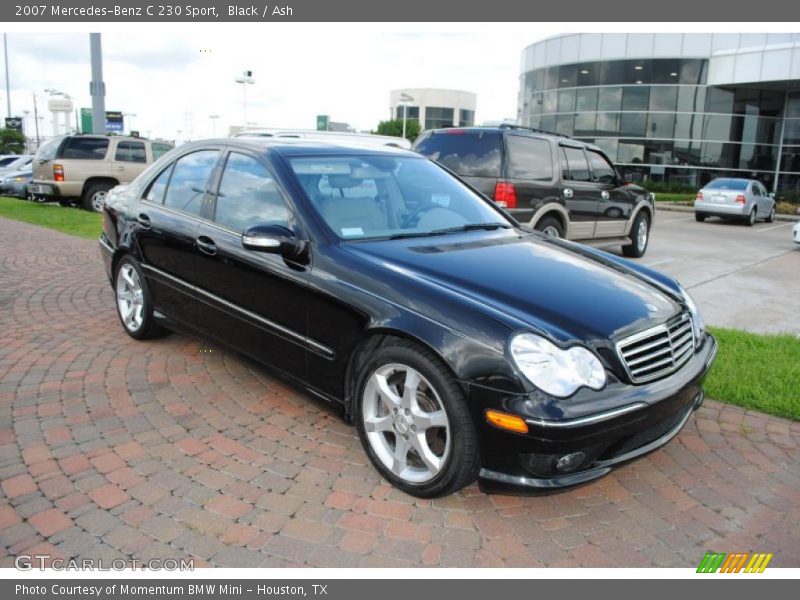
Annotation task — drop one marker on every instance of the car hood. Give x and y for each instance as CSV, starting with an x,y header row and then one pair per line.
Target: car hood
x,y
528,281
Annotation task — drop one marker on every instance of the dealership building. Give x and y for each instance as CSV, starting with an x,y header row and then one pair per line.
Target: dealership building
x,y
434,107
673,107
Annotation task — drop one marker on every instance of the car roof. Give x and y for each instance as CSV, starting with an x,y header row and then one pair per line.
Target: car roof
x,y
519,130
305,147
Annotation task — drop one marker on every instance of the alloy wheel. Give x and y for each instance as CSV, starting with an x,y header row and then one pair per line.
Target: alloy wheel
x,y
551,231
98,199
641,234
405,422
130,298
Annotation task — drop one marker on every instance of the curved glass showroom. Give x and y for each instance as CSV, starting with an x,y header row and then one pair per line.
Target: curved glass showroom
x,y
669,119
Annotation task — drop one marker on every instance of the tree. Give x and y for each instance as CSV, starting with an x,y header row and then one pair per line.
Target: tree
x,y
394,128
12,141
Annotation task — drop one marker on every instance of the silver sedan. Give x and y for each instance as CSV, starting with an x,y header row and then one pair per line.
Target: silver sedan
x,y
742,199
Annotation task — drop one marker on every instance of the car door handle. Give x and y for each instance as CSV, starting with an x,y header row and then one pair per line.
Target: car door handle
x,y
604,195
568,193
206,245
120,168
144,221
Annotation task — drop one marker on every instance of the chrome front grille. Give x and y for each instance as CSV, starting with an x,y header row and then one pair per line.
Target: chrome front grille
x,y
657,351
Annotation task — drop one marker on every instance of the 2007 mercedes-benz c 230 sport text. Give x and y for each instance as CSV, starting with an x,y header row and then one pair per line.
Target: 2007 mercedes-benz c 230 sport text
x,y
459,344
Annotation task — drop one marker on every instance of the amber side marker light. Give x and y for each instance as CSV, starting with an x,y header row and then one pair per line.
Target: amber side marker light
x,y
506,421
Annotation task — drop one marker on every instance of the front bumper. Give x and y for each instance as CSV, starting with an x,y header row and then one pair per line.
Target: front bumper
x,y
646,417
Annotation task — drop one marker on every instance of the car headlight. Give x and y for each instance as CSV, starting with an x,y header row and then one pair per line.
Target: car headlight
x,y
555,371
698,327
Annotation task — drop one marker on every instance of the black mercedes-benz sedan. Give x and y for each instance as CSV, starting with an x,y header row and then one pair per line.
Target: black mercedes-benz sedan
x,y
459,344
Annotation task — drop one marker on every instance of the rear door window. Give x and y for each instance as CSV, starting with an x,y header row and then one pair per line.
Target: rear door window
x,y
467,153
130,152
529,158
86,148
577,165
189,182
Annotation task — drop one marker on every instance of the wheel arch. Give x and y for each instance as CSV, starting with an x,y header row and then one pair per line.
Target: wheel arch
x,y
98,179
552,209
370,341
643,206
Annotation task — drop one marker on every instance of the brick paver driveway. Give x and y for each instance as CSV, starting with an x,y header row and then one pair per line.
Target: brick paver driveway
x,y
114,448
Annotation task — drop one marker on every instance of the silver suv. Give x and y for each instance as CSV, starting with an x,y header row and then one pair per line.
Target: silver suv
x,y
81,169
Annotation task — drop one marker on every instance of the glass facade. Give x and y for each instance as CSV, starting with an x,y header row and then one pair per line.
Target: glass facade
x,y
657,119
436,117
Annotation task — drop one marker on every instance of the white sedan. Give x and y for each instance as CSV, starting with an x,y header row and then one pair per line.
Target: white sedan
x,y
796,232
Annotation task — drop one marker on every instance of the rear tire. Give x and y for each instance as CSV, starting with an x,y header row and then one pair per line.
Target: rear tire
x,y
699,217
94,196
640,234
751,218
551,227
134,301
421,439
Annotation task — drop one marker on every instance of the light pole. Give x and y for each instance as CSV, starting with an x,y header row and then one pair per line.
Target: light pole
x,y
213,124
245,79
405,99
8,85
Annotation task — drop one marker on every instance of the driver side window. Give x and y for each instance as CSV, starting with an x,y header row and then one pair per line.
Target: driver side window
x,y
248,195
602,170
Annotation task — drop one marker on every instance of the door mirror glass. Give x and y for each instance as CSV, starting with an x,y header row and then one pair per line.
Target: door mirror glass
x,y
272,239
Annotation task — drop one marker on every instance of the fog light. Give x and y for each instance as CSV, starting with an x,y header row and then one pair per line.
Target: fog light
x,y
570,462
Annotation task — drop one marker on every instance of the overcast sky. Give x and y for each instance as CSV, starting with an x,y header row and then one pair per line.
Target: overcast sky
x,y
175,80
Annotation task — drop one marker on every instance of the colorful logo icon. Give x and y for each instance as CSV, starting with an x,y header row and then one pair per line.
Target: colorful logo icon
x,y
737,562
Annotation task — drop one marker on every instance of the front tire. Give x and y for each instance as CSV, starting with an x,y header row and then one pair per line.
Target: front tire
x,y
771,217
94,196
413,421
134,301
640,234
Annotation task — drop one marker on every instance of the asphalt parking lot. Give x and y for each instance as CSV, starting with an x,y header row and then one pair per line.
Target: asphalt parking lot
x,y
112,448
742,277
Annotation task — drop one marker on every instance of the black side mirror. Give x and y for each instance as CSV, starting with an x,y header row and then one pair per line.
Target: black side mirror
x,y
272,239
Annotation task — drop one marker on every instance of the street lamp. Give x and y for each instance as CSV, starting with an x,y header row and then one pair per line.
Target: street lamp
x,y
405,99
213,124
245,79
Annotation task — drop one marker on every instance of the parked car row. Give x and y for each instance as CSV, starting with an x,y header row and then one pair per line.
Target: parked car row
x,y
81,169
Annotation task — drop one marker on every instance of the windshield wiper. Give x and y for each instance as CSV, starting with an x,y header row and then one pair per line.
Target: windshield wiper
x,y
472,227
468,227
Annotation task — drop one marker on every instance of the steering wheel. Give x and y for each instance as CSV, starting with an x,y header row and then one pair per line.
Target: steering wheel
x,y
412,220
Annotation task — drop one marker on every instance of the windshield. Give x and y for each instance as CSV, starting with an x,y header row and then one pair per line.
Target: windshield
x,y
728,184
362,197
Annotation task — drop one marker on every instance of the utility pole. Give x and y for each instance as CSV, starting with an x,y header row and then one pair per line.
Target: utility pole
x,y
97,88
8,85
36,119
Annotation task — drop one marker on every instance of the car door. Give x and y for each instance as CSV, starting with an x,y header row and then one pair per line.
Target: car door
x,y
253,301
581,194
530,168
615,204
130,159
167,215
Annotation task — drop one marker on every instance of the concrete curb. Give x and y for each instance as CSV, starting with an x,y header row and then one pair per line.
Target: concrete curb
x,y
670,207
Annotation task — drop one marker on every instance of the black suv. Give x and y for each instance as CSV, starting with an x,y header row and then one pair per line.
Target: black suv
x,y
549,182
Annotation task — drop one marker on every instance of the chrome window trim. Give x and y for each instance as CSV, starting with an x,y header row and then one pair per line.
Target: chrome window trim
x,y
302,339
